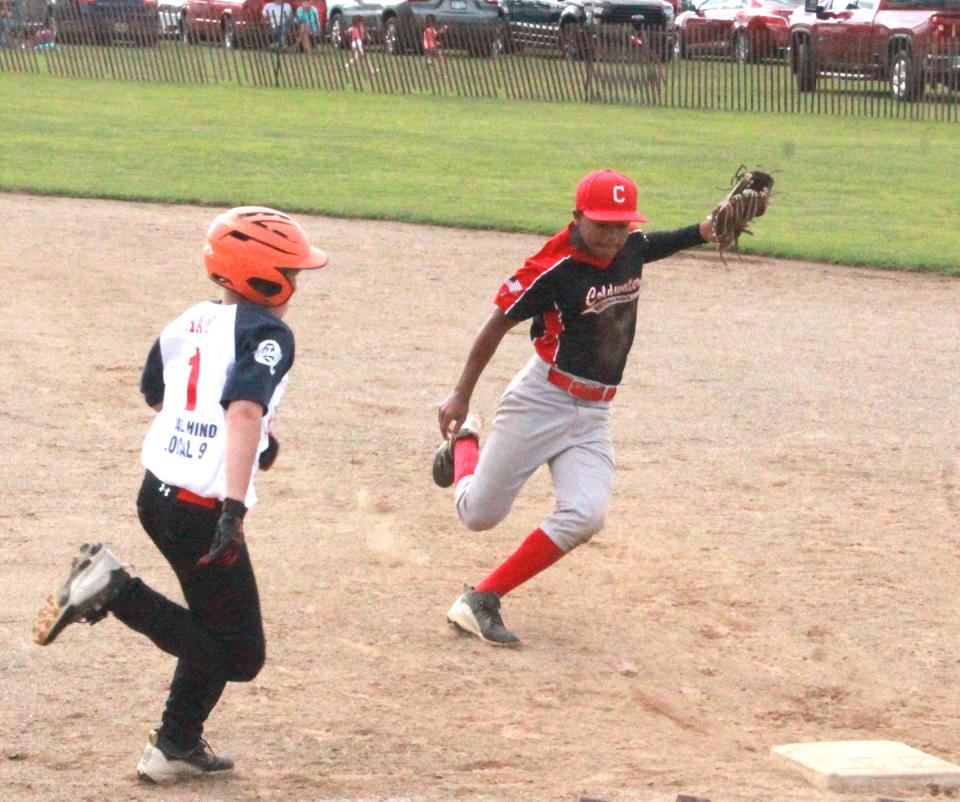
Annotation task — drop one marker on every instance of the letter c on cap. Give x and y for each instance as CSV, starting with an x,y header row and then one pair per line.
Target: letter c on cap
x,y
619,193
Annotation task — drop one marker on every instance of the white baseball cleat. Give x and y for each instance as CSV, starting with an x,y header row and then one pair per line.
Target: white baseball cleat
x,y
163,763
478,613
96,577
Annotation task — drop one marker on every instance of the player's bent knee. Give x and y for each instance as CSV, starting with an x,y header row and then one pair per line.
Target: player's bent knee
x,y
246,666
246,672
588,534
480,517
593,525
583,535
591,518
574,528
479,506
479,521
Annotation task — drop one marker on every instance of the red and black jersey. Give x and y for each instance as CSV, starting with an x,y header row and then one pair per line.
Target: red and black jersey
x,y
584,311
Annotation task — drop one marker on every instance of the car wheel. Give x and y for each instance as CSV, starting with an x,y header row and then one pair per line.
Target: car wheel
x,y
906,79
231,41
804,66
391,37
742,48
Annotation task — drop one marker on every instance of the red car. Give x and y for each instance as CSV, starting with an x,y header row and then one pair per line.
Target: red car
x,y
236,22
746,30
227,21
911,44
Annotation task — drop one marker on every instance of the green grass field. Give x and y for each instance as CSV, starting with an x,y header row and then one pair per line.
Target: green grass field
x,y
849,190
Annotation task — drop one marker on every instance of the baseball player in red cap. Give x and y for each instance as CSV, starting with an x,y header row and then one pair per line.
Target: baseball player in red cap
x,y
580,294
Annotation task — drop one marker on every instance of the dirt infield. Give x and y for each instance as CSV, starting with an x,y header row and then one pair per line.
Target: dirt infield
x,y
779,563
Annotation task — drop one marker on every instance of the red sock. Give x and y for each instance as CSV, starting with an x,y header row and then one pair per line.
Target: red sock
x,y
466,453
535,554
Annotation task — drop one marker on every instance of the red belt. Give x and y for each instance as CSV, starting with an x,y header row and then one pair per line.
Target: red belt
x,y
578,389
201,501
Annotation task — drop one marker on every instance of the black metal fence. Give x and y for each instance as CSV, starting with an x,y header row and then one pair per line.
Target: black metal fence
x,y
621,64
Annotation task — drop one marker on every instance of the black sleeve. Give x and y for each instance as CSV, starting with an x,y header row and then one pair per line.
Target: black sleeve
x,y
533,292
660,244
151,380
264,349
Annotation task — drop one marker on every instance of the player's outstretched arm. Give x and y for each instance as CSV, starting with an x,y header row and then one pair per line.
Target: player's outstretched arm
x,y
454,409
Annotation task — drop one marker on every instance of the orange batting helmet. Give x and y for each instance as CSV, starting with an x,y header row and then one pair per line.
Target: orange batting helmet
x,y
248,248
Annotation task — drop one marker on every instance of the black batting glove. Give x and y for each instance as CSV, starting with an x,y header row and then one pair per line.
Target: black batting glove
x,y
228,540
269,455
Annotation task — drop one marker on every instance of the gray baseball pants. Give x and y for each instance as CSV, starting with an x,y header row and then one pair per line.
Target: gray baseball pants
x,y
537,423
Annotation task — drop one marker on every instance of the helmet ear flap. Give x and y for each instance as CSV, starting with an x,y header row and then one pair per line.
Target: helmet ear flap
x,y
264,286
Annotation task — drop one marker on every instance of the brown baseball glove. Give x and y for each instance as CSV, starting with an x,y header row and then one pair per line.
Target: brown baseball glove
x,y
749,198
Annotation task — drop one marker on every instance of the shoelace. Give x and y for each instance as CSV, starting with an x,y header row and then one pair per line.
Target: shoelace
x,y
205,749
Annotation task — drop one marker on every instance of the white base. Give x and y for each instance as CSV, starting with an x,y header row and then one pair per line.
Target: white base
x,y
866,766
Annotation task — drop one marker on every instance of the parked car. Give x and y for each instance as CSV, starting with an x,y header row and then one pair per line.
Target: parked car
x,y
745,30
107,21
232,22
574,25
472,25
397,25
911,44
375,16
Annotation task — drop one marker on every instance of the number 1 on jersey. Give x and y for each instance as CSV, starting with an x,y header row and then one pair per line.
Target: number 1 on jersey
x,y
194,363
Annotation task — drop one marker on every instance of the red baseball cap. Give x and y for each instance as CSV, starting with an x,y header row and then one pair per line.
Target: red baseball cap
x,y
608,196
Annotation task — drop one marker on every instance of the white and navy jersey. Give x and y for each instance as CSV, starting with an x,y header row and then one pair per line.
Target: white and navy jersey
x,y
209,356
584,310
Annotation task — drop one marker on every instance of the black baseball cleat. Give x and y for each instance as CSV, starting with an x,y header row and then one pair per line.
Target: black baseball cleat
x,y
163,762
478,613
443,458
96,577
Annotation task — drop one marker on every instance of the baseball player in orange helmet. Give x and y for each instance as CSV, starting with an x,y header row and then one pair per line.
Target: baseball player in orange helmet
x,y
580,293
215,377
